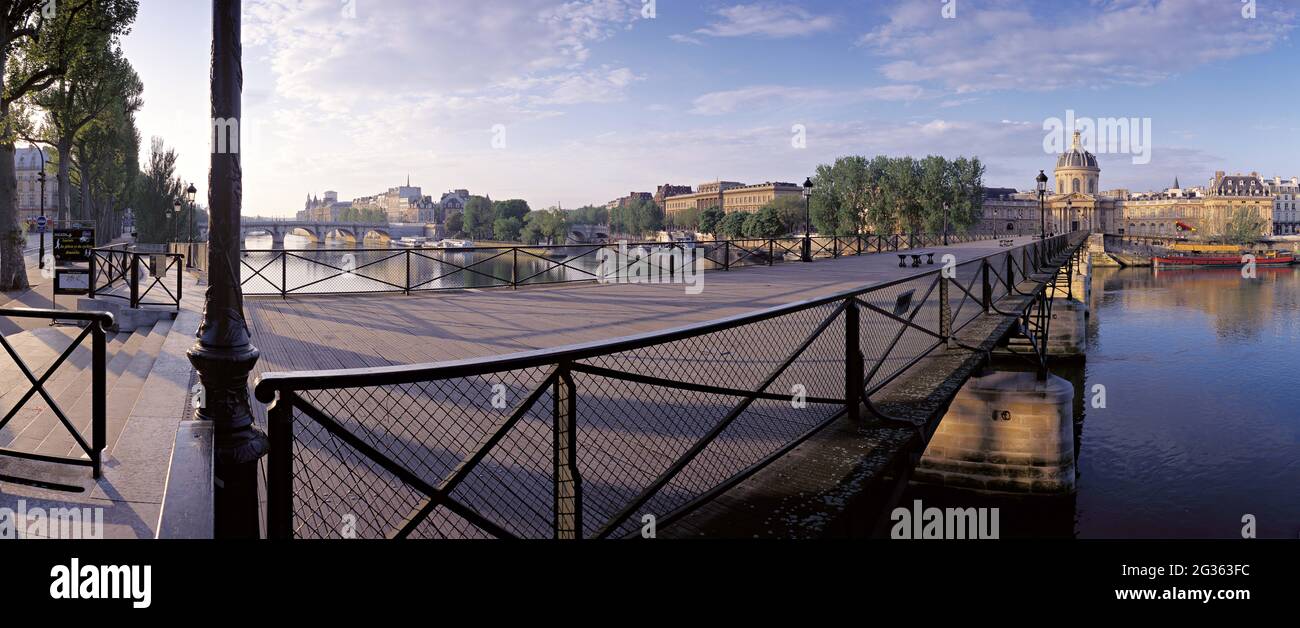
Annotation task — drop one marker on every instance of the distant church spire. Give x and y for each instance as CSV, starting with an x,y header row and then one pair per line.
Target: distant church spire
x,y
1176,186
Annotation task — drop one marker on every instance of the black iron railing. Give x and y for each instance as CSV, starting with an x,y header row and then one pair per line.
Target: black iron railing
x,y
92,446
117,272
345,271
585,441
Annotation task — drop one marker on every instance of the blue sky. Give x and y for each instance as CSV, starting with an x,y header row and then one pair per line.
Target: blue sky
x,y
596,100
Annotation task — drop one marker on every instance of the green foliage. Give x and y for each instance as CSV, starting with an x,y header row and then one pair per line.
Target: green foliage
x,y
513,208
688,219
507,229
637,218
733,226
550,226
1244,226
456,224
479,216
589,215
893,195
764,223
711,220
156,194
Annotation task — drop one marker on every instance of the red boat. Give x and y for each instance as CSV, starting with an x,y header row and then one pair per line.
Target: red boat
x,y
1221,261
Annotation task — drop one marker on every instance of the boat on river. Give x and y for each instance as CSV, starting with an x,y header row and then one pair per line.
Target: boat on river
x,y
1194,259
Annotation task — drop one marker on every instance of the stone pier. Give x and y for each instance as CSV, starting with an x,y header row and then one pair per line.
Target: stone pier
x,y
1068,332
1005,432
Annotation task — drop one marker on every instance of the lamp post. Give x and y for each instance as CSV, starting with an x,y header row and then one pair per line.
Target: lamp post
x,y
41,234
189,237
1069,215
945,224
807,219
1042,205
224,354
176,219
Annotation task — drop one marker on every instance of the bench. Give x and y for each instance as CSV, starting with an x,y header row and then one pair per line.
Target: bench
x,y
916,259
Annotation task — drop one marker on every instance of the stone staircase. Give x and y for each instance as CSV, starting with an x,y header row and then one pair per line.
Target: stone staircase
x,y
147,381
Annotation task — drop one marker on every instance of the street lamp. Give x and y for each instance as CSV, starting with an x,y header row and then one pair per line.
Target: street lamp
x,y
807,219
224,353
1042,205
176,219
945,224
189,237
41,234
1069,216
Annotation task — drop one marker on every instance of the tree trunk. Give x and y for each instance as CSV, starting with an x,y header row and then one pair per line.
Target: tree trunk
x,y
13,268
64,178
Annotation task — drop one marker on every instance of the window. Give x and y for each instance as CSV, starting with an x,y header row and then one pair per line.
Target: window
x,y
1076,185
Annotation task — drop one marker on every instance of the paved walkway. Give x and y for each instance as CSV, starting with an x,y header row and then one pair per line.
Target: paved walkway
x,y
629,432
354,331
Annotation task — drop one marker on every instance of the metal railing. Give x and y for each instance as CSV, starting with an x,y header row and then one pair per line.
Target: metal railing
x,y
96,324
584,441
117,268
406,270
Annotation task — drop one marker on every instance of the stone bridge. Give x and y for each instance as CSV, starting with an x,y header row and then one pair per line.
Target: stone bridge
x,y
319,230
588,234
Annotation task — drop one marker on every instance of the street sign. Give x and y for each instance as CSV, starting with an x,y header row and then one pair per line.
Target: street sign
x,y
73,245
72,281
42,223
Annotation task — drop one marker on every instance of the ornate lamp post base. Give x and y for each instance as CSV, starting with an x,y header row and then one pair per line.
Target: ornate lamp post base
x,y
238,444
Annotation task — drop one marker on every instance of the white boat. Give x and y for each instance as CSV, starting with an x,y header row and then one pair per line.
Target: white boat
x,y
453,244
412,242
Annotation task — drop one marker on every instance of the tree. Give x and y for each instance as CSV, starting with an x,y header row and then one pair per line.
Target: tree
x,y
506,229
549,225
902,191
33,56
733,226
1244,226
98,77
688,218
513,208
764,223
107,169
158,190
790,211
456,224
479,215
936,192
839,201
711,220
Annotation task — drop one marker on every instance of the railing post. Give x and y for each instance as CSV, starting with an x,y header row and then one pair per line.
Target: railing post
x,y
568,482
771,251
987,287
284,274
279,470
99,396
853,360
179,276
94,256
726,256
135,280
1011,274
945,312
407,285
514,268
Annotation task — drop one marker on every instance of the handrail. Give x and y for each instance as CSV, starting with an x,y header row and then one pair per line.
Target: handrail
x,y
92,448
267,272
862,360
268,383
124,265
104,318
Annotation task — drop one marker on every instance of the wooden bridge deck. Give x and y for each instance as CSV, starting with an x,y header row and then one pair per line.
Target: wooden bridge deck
x,y
353,331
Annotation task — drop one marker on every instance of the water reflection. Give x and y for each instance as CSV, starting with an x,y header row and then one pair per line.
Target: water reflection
x,y
1200,426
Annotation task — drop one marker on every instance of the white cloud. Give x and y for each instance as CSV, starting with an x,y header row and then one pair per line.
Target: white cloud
x,y
1009,44
730,101
767,19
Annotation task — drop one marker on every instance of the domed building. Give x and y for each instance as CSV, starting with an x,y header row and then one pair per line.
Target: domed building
x,y
1078,203
1077,170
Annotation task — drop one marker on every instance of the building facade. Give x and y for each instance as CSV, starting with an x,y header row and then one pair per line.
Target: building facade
x,y
1286,196
27,170
731,196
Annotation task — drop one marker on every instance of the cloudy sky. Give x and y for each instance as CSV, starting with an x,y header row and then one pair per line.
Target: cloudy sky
x,y
581,101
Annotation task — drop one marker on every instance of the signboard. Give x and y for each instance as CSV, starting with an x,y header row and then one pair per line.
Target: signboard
x,y
41,223
73,244
72,281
